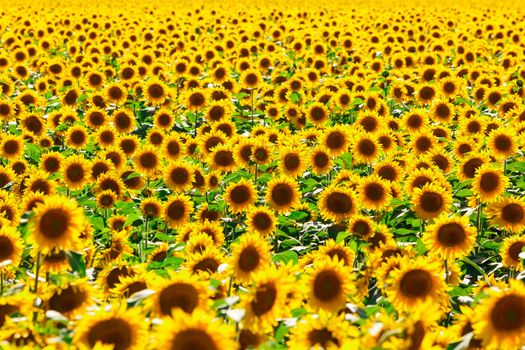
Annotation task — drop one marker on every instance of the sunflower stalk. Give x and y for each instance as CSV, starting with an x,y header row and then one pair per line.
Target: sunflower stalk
x,y
447,275
37,272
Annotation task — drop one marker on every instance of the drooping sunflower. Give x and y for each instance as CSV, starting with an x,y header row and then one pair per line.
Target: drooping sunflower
x,y
118,327
240,195
499,320
489,182
337,203
451,237
282,194
261,220
417,282
374,192
199,330
431,200
508,213
56,223
328,285
250,256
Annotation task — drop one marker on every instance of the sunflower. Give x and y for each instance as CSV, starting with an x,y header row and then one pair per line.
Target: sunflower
x,y
499,320
508,213
129,285
320,160
266,300
365,148
317,113
489,182
422,142
210,140
336,140
502,142
431,200
123,120
388,170
11,247
11,146
471,163
261,152
328,285
96,117
116,93
155,92
118,327
250,256
261,220
416,283
75,172
450,237
196,99
179,176
222,159
105,136
106,199
51,162
77,137
180,291
240,195
164,119
159,254
325,331
361,226
511,249
337,203
56,223
207,263
177,209
282,194
374,192
70,299
251,79
199,330
147,161
339,251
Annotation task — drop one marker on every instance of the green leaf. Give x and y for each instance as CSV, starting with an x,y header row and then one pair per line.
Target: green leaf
x,y
82,98
76,261
341,236
295,97
286,256
281,332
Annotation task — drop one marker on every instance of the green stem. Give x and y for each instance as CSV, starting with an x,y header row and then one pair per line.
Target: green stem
x,y
446,271
251,93
37,272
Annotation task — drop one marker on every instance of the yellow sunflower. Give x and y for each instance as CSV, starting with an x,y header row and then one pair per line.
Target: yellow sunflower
x,y
56,224
450,237
250,256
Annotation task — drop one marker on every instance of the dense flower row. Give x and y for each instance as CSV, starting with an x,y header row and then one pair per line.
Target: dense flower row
x,y
222,175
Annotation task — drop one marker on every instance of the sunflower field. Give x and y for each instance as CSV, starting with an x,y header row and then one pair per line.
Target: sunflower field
x,y
221,175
